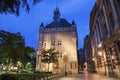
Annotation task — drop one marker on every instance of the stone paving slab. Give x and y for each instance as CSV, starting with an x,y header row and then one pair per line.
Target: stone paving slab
x,y
87,76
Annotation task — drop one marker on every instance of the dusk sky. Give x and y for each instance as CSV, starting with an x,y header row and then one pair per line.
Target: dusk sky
x,y
28,24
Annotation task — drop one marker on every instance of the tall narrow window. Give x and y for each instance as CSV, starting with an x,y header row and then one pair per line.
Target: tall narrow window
x,y
60,55
73,65
59,43
106,2
53,43
105,31
111,22
118,45
44,46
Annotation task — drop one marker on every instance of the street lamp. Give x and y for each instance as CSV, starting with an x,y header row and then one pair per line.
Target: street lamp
x,y
7,66
102,54
85,66
18,64
65,60
112,64
1,66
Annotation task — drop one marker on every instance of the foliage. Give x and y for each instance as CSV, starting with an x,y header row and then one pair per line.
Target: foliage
x,y
13,6
49,56
27,53
12,48
8,77
25,76
33,60
32,75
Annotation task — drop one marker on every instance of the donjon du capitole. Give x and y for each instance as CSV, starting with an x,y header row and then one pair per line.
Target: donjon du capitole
x,y
61,35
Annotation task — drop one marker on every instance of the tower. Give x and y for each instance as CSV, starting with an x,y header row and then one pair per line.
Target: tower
x,y
56,16
64,36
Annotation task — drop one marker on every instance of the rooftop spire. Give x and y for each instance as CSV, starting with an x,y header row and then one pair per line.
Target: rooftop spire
x,y
73,23
57,3
56,16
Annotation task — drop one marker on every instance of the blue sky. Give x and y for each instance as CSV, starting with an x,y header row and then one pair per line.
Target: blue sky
x,y
28,24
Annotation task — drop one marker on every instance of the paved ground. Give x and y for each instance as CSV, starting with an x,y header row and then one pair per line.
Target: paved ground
x,y
87,76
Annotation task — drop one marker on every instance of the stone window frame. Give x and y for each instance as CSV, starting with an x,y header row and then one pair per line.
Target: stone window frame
x,y
59,42
73,65
53,42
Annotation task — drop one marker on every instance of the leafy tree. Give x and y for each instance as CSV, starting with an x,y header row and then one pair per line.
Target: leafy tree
x,y
12,48
13,6
27,55
33,60
49,56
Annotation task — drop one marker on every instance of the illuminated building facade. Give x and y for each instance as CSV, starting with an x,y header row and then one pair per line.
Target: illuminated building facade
x,y
62,36
105,36
89,63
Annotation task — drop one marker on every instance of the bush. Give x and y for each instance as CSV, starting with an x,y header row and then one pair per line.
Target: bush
x,y
43,72
23,71
8,77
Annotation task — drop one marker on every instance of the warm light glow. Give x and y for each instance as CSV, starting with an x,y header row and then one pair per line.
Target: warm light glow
x,y
15,68
93,59
55,65
100,53
18,62
112,57
85,63
28,63
43,69
65,53
100,45
4,68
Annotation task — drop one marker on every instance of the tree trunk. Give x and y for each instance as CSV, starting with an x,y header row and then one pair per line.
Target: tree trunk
x,y
48,66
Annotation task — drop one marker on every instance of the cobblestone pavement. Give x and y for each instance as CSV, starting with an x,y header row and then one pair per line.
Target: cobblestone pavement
x,y
87,76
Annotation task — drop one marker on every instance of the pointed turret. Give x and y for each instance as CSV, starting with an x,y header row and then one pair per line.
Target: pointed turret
x,y
73,23
41,25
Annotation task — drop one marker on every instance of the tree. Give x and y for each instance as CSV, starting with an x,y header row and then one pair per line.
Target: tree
x,y
11,46
13,49
49,56
27,55
13,6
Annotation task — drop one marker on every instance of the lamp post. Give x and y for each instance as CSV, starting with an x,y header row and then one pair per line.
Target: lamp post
x,y
2,66
65,60
18,64
7,66
101,53
112,64
93,64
